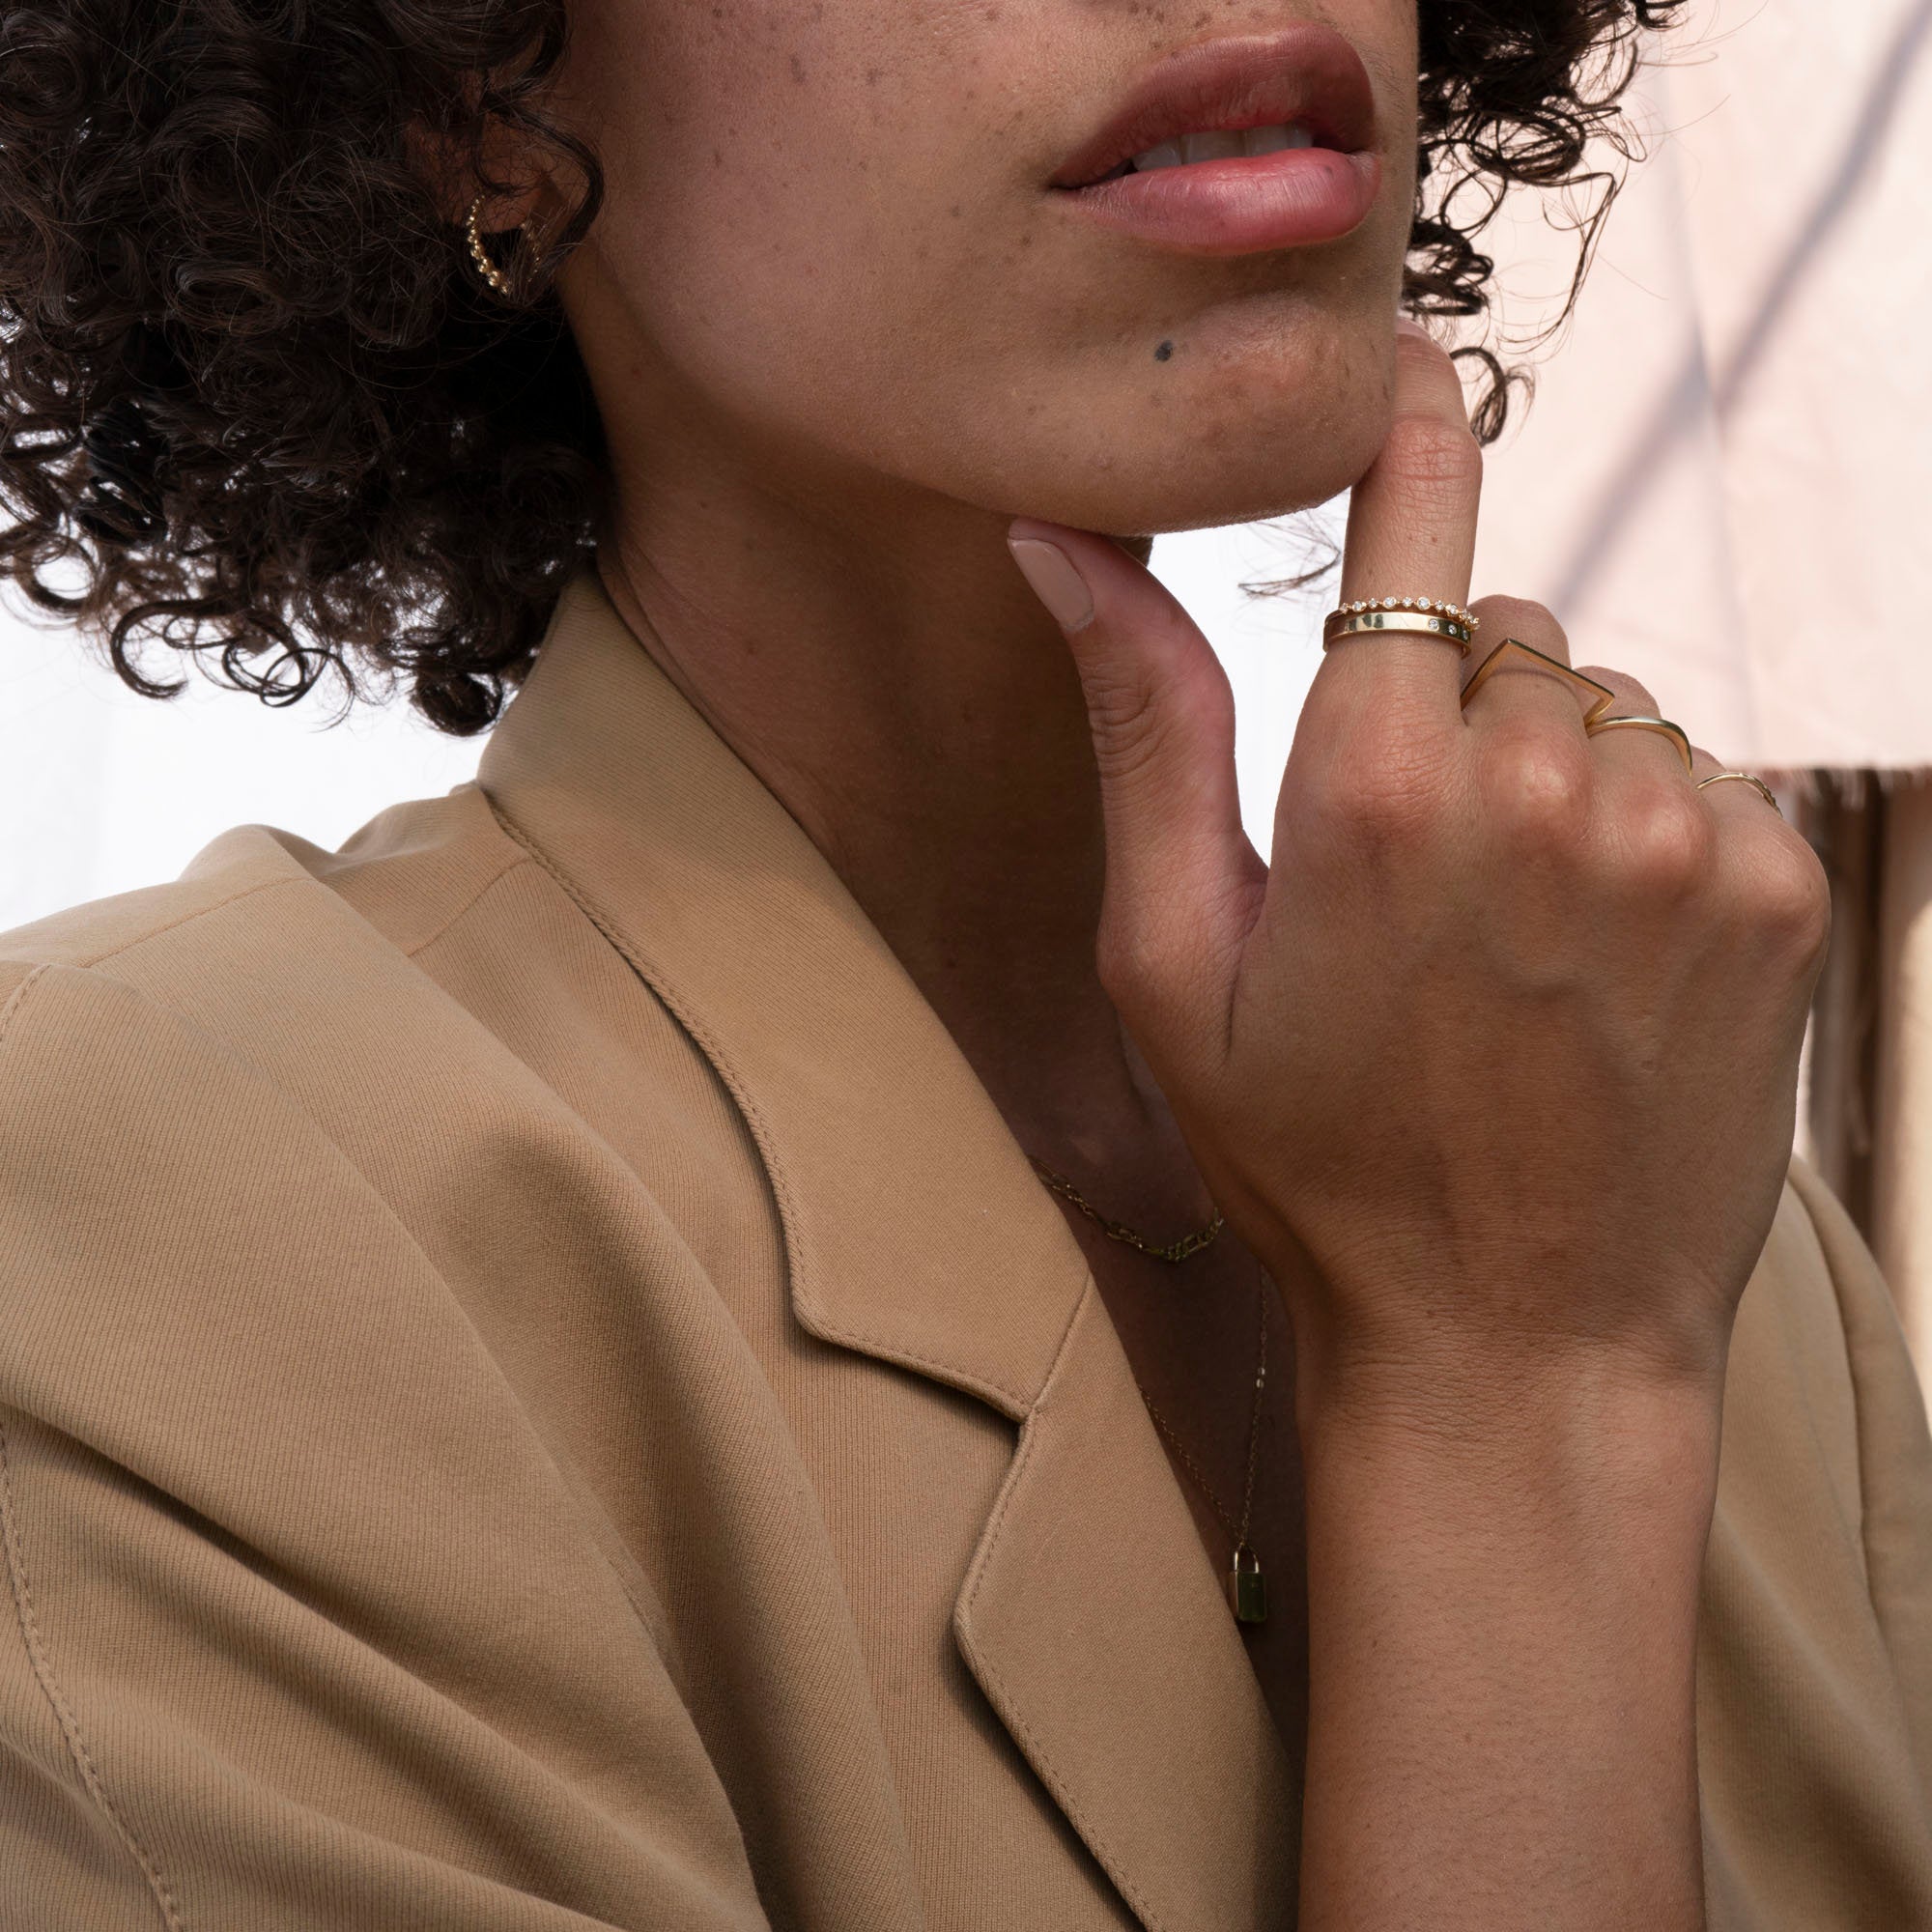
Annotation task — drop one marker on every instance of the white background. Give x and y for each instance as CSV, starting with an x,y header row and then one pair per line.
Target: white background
x,y
101,791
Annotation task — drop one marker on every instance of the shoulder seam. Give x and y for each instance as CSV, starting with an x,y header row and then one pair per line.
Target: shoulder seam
x,y
43,1673
519,858
186,919
93,960
17,999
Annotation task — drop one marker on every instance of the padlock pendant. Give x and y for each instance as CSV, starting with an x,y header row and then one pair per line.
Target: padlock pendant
x,y
1248,1588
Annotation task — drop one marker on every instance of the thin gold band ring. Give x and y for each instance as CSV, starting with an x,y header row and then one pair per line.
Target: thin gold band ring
x,y
1744,777
1676,733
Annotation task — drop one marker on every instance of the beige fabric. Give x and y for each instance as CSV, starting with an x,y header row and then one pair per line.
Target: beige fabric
x,y
1902,1060
1869,1113
1722,485
537,1391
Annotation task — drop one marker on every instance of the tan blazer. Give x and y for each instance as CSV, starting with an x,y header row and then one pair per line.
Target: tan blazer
x,y
538,1392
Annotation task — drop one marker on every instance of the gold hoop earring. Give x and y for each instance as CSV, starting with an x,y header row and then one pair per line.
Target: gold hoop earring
x,y
491,274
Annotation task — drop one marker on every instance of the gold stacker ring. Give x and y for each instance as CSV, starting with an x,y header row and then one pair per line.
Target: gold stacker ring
x,y
1744,777
1662,726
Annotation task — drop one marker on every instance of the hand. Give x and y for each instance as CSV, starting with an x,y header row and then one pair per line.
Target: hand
x,y
1506,1042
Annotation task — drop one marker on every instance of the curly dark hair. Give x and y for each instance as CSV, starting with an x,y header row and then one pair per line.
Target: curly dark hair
x,y
259,405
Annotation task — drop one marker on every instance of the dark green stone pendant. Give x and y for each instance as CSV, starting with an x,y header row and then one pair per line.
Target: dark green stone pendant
x,y
1248,1588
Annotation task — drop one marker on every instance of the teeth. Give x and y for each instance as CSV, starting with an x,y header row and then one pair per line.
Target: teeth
x,y
1224,145
1220,146
1271,140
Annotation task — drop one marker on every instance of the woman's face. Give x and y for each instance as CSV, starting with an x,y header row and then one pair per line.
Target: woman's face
x,y
831,243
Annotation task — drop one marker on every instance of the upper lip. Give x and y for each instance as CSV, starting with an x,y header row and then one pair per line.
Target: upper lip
x,y
1305,73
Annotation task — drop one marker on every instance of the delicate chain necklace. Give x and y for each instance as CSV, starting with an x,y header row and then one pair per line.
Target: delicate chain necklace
x,y
1247,1589
1175,1251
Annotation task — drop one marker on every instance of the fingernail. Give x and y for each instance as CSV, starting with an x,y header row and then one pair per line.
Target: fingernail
x,y
1055,581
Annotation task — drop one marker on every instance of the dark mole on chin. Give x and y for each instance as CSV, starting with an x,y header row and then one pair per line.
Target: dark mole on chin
x,y
1165,350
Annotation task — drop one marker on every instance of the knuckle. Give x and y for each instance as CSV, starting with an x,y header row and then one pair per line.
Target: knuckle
x,y
1428,453
1130,727
1789,900
1379,794
1143,969
1122,958
1537,787
1670,839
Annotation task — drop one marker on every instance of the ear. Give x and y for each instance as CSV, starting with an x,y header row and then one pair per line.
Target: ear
x,y
508,155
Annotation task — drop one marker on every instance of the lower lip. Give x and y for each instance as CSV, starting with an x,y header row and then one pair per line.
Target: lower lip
x,y
1290,199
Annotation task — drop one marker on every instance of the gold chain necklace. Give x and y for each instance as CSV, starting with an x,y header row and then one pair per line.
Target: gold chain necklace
x,y
1175,1251
1246,1587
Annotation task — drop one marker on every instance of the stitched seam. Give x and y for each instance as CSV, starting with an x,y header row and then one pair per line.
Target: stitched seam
x,y
186,919
17,999
1041,1759
774,1168
43,1671
468,905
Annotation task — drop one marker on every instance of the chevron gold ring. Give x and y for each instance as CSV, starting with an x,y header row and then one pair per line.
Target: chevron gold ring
x,y
1601,696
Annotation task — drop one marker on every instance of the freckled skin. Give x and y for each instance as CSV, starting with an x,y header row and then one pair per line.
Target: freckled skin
x,y
876,272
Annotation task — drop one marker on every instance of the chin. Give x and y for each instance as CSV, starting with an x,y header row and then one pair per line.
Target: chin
x,y
1237,444
1268,472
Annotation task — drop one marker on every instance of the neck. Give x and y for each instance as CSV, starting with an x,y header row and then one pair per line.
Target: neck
x,y
886,672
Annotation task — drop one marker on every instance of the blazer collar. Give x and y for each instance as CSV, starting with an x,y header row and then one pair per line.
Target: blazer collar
x,y
916,1232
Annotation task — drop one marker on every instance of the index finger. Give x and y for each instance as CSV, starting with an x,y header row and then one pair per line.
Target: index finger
x,y
1413,530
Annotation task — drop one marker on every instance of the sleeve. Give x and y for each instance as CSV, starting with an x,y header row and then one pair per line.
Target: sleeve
x,y
301,1625
1894,1452
1814,1675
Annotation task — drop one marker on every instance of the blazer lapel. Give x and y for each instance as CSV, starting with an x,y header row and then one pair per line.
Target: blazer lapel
x,y
916,1232
1098,1631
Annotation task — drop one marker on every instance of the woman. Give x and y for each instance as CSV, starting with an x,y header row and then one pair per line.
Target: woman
x,y
650,1342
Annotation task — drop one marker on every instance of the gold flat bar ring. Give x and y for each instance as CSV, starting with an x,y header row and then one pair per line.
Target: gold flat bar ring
x,y
1373,623
1676,733
1744,777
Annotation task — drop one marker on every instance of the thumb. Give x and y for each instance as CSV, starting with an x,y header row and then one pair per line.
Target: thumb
x,y
1182,882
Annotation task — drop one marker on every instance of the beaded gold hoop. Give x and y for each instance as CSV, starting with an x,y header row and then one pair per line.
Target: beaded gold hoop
x,y
491,274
